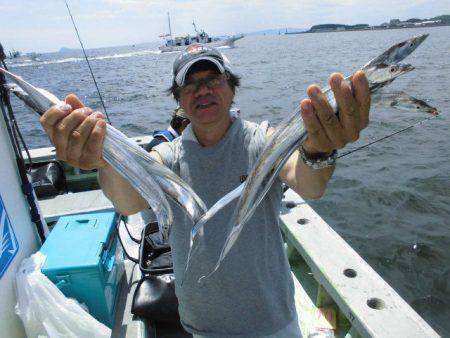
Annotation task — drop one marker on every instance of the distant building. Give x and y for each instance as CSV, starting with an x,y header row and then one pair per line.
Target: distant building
x,y
407,24
429,22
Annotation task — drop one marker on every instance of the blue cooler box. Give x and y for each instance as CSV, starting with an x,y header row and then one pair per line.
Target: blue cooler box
x,y
85,260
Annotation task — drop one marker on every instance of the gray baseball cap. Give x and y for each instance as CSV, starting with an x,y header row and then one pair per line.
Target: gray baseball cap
x,y
195,53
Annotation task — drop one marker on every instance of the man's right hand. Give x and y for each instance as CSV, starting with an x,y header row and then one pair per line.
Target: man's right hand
x,y
77,132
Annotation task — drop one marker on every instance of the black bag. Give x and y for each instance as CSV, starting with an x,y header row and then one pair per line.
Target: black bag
x,y
154,298
48,179
154,258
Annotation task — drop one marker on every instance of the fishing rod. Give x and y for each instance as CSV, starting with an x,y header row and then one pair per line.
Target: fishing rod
x,y
15,131
88,63
388,136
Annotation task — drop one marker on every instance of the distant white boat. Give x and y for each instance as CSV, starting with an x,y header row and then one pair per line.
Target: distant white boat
x,y
179,43
14,54
17,56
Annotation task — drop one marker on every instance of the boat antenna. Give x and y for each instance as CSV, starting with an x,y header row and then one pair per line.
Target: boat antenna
x,y
388,136
170,28
195,27
88,63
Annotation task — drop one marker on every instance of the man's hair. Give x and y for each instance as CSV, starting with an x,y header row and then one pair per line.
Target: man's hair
x,y
234,81
177,122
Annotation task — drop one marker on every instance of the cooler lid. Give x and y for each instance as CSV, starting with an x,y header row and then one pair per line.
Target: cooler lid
x,y
77,240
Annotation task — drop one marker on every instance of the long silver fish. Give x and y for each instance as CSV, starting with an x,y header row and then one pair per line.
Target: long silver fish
x,y
41,100
380,72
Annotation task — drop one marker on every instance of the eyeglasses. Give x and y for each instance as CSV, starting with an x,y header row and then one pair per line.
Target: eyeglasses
x,y
211,82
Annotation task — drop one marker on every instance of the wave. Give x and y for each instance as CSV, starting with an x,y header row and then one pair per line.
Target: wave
x,y
27,63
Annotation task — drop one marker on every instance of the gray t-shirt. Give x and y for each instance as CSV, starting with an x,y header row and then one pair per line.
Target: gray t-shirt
x,y
252,292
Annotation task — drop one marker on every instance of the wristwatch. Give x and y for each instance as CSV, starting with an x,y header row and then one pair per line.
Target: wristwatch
x,y
318,160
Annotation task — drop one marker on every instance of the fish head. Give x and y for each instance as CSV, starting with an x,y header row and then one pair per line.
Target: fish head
x,y
399,69
410,103
383,74
39,100
397,52
403,49
13,88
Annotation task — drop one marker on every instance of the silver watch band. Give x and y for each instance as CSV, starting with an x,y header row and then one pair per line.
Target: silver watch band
x,y
318,163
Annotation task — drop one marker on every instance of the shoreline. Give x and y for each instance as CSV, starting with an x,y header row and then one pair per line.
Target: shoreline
x,y
373,28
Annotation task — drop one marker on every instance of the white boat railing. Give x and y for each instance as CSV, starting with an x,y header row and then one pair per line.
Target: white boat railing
x,y
369,303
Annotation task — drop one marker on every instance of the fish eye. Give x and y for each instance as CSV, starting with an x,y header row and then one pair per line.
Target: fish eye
x,y
393,69
418,107
412,44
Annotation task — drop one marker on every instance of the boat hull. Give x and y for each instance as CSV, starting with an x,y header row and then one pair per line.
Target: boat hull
x,y
18,234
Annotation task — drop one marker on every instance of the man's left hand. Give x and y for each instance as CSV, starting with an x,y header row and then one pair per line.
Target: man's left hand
x,y
326,131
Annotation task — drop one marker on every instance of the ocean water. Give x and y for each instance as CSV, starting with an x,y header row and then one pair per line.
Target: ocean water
x,y
390,201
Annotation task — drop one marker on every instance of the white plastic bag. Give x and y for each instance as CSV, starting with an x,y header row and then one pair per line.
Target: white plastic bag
x,y
45,311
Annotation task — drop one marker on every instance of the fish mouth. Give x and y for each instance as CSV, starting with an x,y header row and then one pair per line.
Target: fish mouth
x,y
432,111
419,39
406,68
425,107
428,110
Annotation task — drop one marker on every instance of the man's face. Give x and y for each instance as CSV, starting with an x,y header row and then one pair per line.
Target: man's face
x,y
205,104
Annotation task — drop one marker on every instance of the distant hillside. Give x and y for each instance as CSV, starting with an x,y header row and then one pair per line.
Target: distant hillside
x,y
393,23
68,50
328,27
443,18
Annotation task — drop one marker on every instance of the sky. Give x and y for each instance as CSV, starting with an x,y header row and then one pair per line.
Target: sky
x,y
44,25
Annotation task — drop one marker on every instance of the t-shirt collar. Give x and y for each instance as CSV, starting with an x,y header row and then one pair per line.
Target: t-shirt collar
x,y
189,135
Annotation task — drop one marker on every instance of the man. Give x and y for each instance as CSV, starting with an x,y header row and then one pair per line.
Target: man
x,y
176,127
251,295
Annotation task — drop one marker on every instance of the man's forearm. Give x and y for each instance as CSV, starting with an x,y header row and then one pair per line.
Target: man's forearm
x,y
124,197
309,183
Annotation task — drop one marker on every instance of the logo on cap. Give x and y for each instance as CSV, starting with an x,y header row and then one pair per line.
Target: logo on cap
x,y
194,49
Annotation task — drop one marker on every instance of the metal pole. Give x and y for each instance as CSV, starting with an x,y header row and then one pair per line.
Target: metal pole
x,y
170,28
